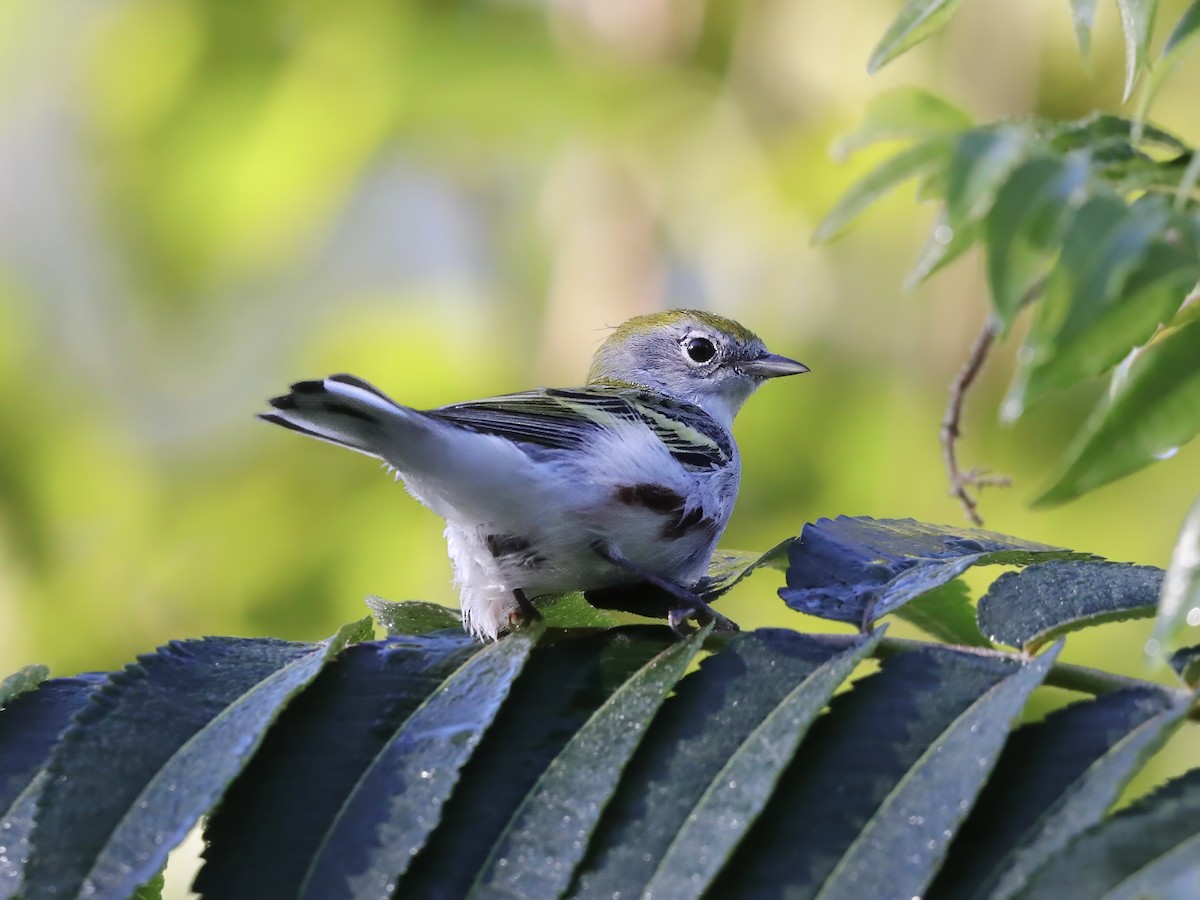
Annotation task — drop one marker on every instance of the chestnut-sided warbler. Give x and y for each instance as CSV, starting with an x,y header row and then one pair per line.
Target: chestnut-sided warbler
x,y
619,488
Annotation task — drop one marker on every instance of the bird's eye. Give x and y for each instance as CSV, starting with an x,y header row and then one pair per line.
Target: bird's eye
x,y
699,349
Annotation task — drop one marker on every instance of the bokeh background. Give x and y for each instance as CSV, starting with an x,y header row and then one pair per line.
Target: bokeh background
x,y
201,202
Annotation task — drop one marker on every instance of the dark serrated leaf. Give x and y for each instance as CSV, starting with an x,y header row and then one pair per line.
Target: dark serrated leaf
x,y
735,798
715,711
561,686
1151,849
265,832
890,174
30,726
1152,410
542,844
904,113
386,817
861,569
1054,779
1101,133
412,617
857,817
947,614
1028,608
153,751
916,21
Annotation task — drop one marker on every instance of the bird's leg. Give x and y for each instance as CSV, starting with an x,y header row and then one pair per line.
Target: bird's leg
x,y
526,612
688,603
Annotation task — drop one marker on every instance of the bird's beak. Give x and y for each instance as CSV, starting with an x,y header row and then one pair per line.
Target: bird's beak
x,y
772,365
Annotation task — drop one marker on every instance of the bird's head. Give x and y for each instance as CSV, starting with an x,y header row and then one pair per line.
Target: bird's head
x,y
691,355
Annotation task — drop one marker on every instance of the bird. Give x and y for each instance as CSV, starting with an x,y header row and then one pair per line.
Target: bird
x,y
619,488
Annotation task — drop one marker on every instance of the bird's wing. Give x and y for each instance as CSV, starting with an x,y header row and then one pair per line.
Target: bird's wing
x,y
556,419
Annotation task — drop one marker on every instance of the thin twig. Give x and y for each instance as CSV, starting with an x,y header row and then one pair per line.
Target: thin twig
x,y
951,431
960,481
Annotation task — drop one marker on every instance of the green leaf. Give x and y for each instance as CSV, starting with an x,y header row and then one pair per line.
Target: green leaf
x,y
905,165
737,795
154,752
943,246
1152,410
945,613
1028,608
917,20
22,680
412,617
1179,602
861,569
982,161
573,611
1137,22
1025,225
1106,136
715,713
857,817
545,840
904,113
1150,849
151,890
729,568
1054,779
399,798
1083,12
1187,183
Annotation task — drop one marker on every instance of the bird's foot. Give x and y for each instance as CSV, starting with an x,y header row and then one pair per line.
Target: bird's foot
x,y
525,613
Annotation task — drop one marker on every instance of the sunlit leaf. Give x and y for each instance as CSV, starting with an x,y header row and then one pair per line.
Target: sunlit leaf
x,y
1180,42
1154,410
1024,225
983,159
1137,22
854,818
945,613
1083,12
861,569
916,21
1150,849
1028,608
905,112
22,680
409,617
905,165
1054,779
943,246
546,838
1179,601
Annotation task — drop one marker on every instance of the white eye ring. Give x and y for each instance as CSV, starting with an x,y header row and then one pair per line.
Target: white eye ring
x,y
698,349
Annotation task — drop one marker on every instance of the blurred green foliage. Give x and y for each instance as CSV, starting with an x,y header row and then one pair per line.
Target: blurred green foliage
x,y
200,202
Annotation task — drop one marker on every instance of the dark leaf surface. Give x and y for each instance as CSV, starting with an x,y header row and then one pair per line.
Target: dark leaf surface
x,y
265,832
873,818
1054,779
547,837
1151,849
153,751
715,712
983,159
561,686
860,569
30,725
1186,663
1028,608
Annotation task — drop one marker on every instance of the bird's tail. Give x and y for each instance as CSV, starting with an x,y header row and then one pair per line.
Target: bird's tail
x,y
340,409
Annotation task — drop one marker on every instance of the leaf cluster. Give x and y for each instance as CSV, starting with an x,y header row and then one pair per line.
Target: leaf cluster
x,y
570,759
